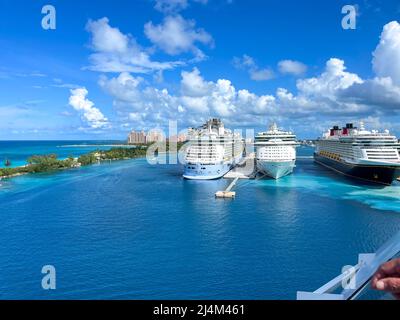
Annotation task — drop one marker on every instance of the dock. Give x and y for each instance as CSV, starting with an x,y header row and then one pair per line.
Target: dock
x,y
243,170
228,193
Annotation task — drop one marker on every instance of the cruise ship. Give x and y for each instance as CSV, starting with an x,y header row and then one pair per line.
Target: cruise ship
x,y
275,152
212,151
368,155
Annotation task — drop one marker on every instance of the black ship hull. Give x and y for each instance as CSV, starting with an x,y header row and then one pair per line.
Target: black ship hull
x,y
373,174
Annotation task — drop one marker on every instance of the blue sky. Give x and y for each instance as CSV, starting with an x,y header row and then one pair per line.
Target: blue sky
x,y
114,66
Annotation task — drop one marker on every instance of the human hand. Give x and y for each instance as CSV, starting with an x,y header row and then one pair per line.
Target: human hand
x,y
387,278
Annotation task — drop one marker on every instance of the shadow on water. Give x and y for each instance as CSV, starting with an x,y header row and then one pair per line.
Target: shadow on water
x,y
309,166
348,179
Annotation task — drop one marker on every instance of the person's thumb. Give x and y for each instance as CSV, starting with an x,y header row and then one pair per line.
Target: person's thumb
x,y
389,284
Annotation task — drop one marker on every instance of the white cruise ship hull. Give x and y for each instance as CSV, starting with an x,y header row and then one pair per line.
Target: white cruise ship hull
x,y
206,172
276,169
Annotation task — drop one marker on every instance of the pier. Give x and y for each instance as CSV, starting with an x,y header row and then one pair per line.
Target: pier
x,y
228,193
243,170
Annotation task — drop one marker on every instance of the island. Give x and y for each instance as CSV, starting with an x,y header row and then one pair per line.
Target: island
x,y
50,162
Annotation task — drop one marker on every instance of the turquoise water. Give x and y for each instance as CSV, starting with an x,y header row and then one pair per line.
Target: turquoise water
x,y
19,151
137,231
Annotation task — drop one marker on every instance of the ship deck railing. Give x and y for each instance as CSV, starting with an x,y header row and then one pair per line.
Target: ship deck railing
x,y
354,282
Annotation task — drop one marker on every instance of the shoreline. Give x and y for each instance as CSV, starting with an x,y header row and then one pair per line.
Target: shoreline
x,y
96,145
50,163
13,175
61,169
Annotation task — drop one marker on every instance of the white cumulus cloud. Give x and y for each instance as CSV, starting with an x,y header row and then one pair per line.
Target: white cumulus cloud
x,y
125,87
118,52
90,114
336,94
255,72
292,67
176,35
334,77
386,61
173,6
193,84
168,6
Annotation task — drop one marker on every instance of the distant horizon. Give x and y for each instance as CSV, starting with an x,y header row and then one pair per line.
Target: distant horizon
x,y
166,131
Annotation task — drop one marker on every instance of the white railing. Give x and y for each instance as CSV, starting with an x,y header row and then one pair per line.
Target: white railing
x,y
352,282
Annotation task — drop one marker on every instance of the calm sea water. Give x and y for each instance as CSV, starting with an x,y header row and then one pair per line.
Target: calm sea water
x,y
19,151
135,231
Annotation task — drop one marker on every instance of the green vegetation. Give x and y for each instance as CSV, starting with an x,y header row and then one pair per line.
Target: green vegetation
x,y
48,163
179,145
167,145
87,159
36,164
123,153
8,172
112,154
